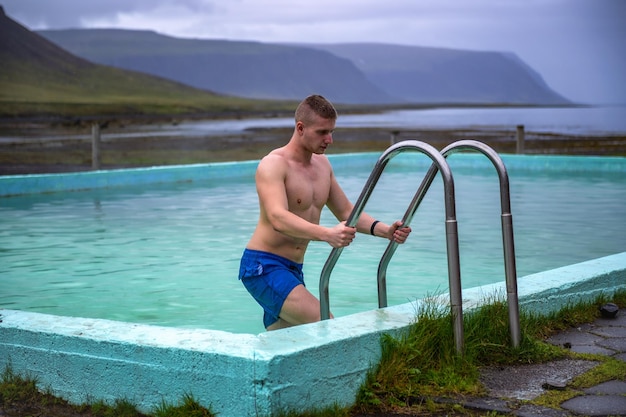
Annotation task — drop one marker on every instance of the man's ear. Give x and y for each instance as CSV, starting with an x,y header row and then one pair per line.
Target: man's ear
x,y
299,127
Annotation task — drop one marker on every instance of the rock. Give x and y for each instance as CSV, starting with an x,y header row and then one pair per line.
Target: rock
x,y
609,310
554,385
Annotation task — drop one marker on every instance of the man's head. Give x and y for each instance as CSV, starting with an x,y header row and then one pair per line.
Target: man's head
x,y
315,105
315,123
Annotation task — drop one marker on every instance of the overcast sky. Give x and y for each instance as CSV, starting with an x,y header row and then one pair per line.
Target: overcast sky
x,y
578,46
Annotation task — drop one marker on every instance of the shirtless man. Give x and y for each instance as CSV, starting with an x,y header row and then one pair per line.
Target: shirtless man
x,y
294,183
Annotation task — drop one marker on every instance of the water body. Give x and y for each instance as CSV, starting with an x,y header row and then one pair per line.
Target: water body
x,y
579,120
169,254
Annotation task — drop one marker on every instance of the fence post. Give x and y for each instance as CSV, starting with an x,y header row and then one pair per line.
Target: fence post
x,y
520,139
95,146
392,139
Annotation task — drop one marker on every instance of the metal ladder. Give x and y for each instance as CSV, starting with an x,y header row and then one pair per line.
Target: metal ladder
x,y
454,274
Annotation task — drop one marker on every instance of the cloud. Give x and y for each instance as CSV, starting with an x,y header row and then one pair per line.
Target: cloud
x,y
62,14
399,21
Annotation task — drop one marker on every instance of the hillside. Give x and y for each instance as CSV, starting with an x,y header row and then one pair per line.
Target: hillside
x,y
62,74
438,75
39,78
245,69
362,73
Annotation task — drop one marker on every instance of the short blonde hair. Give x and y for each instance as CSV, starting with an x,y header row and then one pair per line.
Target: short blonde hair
x,y
315,104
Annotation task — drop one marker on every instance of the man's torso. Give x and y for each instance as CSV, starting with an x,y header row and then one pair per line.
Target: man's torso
x,y
307,188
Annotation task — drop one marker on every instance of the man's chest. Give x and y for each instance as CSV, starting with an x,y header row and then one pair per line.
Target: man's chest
x,y
307,189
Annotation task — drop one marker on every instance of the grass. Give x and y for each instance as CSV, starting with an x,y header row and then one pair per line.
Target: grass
x,y
98,102
414,369
20,396
608,369
423,364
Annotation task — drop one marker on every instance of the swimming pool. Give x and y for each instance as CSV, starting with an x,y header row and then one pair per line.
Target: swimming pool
x,y
168,254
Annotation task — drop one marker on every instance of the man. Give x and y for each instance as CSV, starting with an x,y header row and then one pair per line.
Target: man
x,y
294,183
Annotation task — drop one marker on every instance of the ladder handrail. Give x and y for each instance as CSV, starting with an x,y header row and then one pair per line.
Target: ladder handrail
x,y
452,241
507,231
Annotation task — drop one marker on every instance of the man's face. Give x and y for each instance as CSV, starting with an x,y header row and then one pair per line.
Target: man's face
x,y
318,134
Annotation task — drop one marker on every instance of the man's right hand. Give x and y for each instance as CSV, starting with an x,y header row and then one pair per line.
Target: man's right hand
x,y
341,235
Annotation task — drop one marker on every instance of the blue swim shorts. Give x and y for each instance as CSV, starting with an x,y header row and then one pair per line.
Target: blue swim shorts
x,y
269,279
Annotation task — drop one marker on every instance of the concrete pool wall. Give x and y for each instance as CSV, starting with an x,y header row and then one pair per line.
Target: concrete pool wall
x,y
306,367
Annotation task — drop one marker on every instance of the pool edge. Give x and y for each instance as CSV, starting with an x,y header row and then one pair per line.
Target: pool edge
x,y
305,367
20,185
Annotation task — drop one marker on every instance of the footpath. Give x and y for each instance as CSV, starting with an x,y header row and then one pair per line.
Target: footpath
x,y
510,388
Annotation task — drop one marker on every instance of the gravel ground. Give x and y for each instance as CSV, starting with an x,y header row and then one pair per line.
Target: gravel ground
x,y
45,149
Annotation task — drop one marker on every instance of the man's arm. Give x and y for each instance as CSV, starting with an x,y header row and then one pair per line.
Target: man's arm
x,y
341,207
270,182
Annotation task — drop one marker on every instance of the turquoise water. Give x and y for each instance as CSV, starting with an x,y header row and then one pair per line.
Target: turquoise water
x,y
169,254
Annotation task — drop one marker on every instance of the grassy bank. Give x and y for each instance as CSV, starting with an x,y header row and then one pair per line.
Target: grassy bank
x,y
414,371
424,364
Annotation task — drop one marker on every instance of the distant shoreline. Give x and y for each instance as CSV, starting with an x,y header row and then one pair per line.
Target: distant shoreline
x,y
122,119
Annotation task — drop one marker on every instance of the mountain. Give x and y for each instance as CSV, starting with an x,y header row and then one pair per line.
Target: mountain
x,y
37,74
439,75
245,69
364,73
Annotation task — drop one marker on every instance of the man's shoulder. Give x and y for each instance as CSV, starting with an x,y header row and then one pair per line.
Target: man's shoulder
x,y
273,163
276,154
